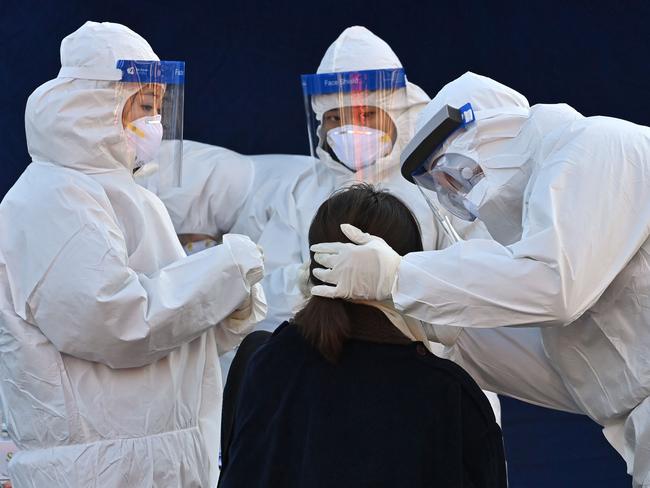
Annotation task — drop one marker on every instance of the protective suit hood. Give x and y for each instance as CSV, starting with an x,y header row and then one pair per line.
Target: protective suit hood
x,y
358,49
491,141
75,120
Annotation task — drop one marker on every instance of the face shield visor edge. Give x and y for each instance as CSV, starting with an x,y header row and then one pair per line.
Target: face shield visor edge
x,y
153,118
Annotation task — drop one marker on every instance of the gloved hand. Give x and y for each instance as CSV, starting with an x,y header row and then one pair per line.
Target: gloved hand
x,y
244,310
362,271
253,308
248,256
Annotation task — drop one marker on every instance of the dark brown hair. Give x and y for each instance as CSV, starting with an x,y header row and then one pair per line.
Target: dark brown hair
x,y
326,323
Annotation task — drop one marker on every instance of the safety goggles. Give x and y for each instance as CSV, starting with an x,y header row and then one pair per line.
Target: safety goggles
x,y
451,176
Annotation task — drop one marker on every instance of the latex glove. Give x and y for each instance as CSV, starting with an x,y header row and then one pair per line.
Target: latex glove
x,y
253,308
244,310
248,257
231,331
365,270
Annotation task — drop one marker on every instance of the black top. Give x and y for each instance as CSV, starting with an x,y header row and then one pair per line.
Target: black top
x,y
388,415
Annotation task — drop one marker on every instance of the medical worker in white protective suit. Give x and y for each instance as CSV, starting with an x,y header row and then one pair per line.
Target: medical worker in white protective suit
x,y
280,213
109,334
566,200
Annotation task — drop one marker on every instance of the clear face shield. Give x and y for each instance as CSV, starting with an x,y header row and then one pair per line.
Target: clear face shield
x,y
350,115
152,118
450,175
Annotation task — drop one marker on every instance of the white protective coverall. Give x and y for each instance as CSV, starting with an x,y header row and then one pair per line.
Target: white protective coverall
x,y
215,185
279,216
108,343
567,204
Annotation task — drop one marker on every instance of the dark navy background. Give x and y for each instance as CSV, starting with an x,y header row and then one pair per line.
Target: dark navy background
x,y
243,92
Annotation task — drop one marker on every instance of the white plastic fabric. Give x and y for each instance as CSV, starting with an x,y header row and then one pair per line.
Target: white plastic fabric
x,y
109,335
575,192
216,183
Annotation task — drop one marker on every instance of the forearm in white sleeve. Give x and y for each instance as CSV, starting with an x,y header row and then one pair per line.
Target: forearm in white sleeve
x,y
585,216
511,361
92,305
232,330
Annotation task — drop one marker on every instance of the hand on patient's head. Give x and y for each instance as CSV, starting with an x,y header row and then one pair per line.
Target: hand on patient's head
x,y
354,218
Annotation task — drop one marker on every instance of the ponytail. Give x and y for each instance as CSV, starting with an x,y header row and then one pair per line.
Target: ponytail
x,y
325,323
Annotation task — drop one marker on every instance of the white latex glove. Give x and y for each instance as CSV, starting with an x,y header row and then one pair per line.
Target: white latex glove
x,y
248,256
253,308
362,271
244,310
231,331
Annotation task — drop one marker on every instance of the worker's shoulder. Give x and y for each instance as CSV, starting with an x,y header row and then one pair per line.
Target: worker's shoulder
x,y
49,204
282,173
201,152
609,130
563,123
600,131
49,183
204,161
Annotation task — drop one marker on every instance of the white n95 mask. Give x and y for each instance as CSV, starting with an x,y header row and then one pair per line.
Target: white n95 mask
x,y
144,135
357,146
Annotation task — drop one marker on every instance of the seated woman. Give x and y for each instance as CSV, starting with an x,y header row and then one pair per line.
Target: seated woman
x,y
346,395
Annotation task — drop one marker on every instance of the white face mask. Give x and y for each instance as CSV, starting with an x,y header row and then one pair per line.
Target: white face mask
x,y
357,146
144,135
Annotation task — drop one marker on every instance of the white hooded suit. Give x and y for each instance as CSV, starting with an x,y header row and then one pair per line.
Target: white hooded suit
x,y
108,342
566,200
